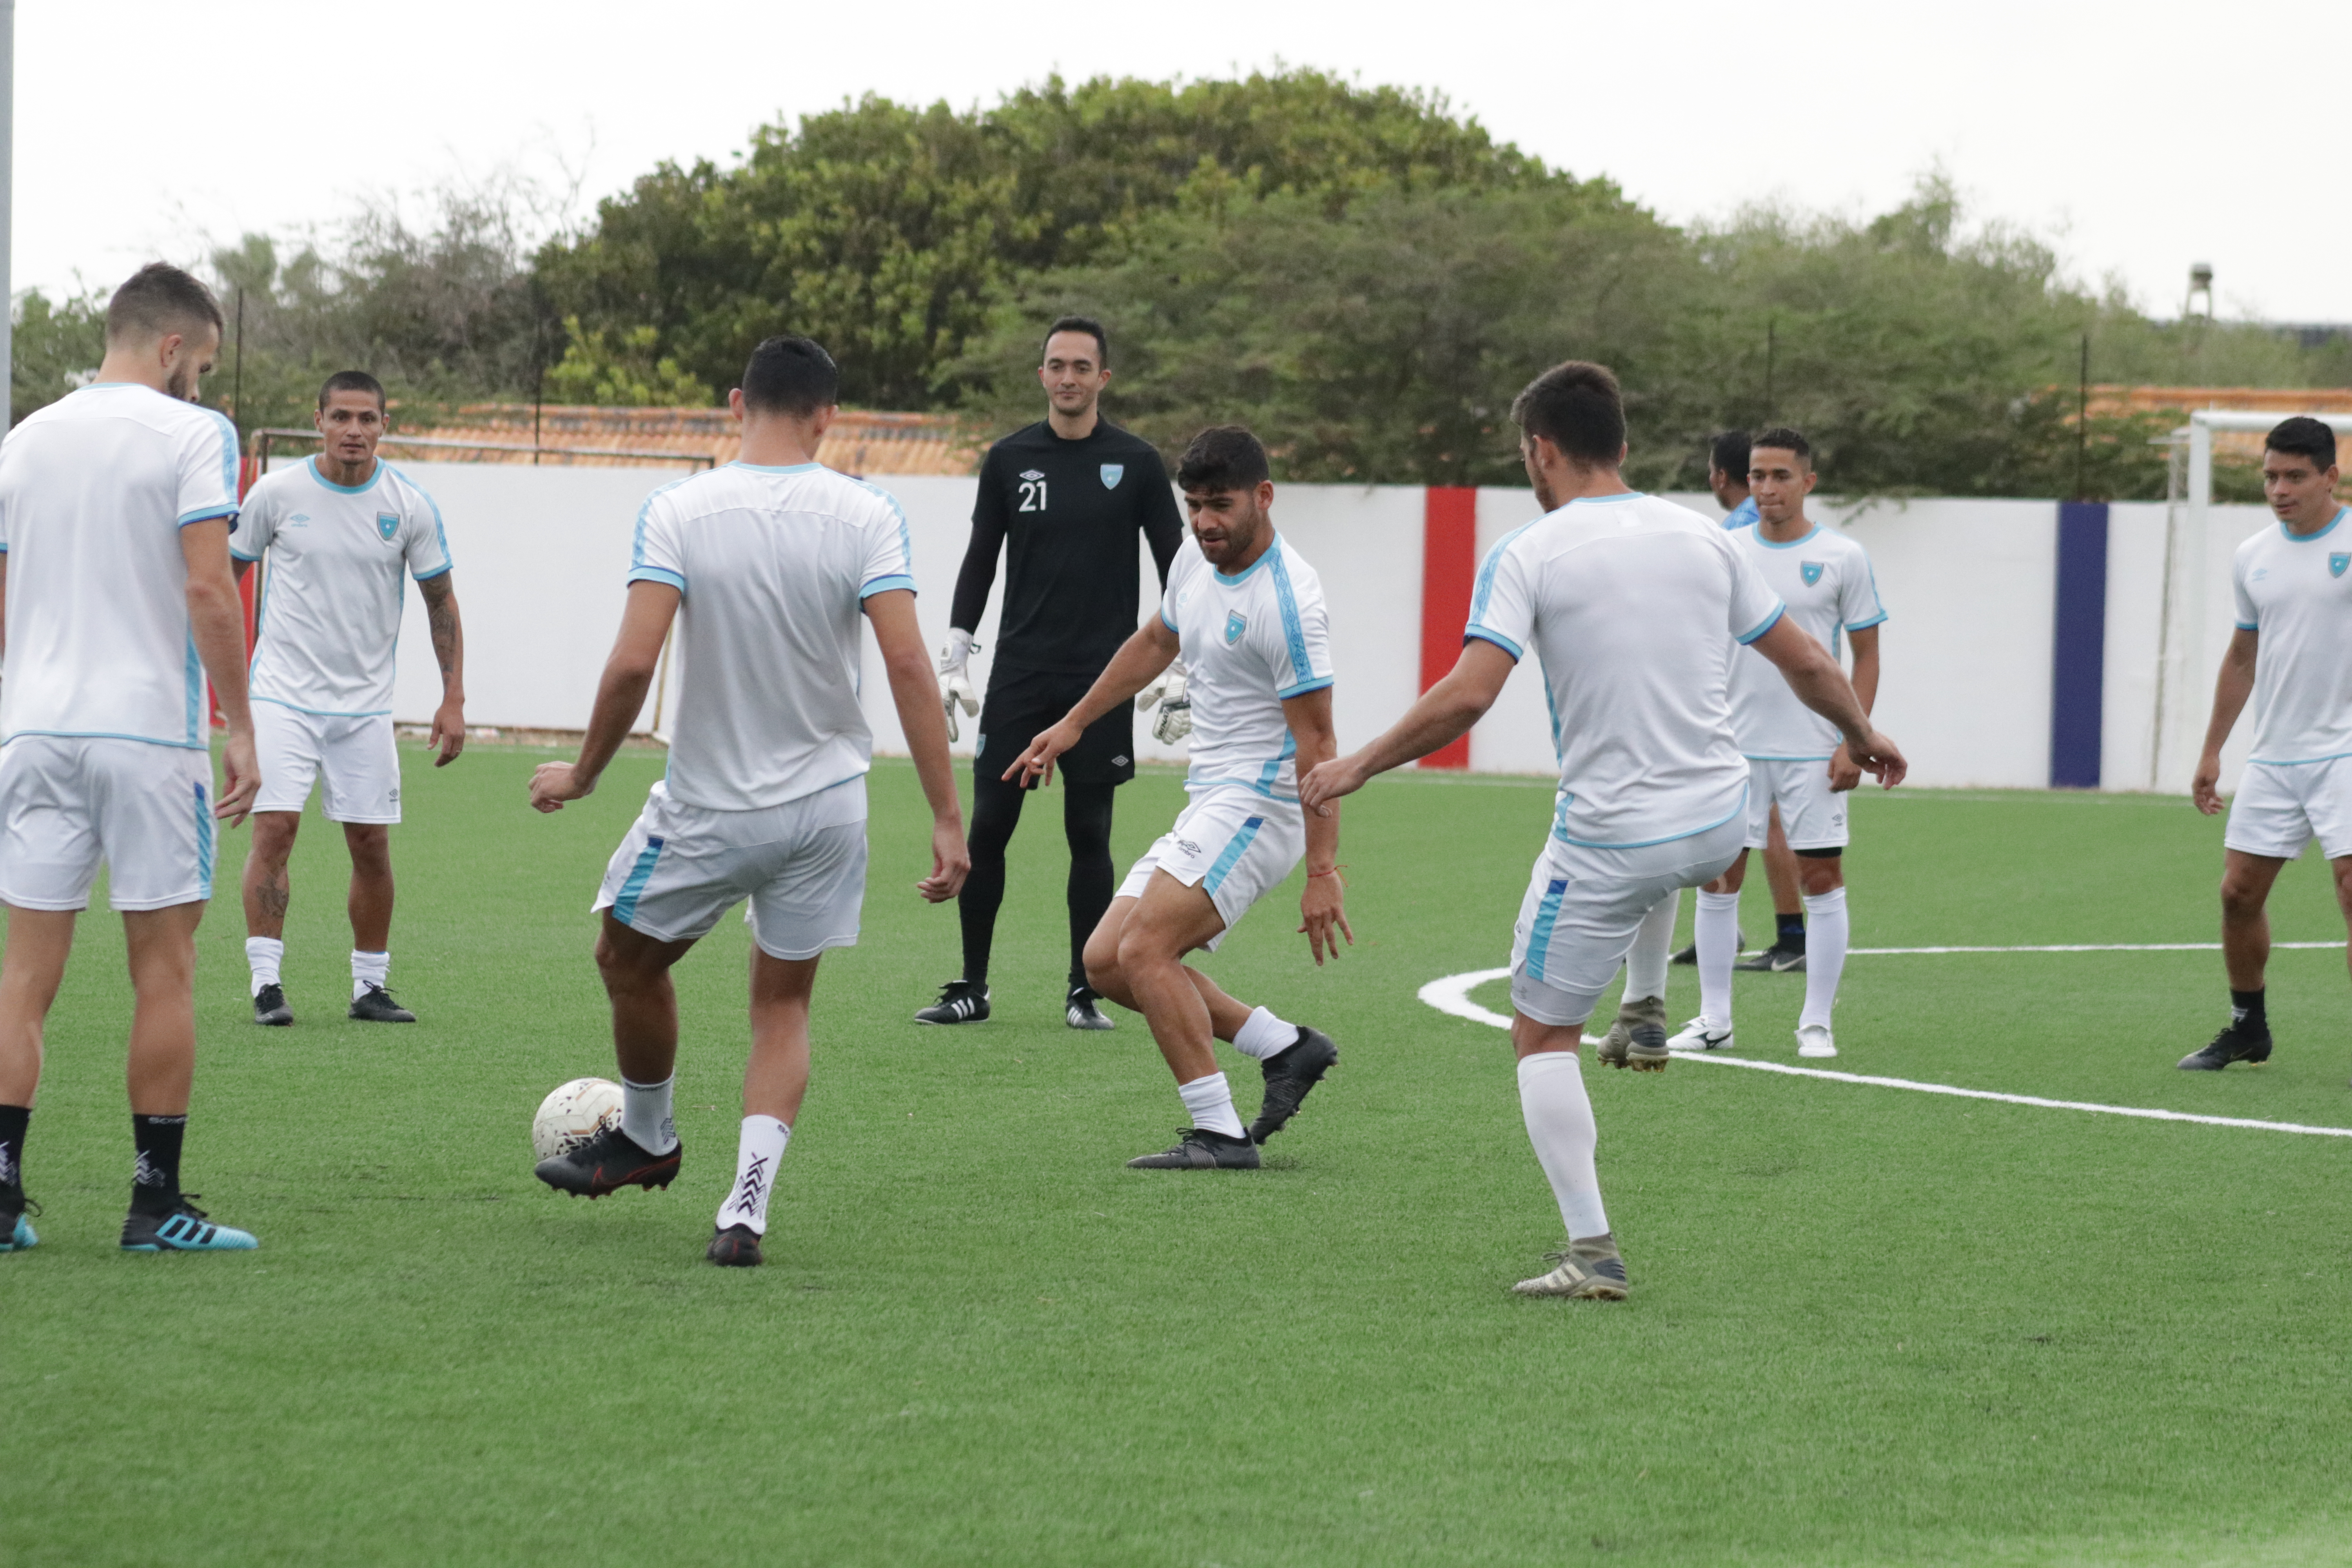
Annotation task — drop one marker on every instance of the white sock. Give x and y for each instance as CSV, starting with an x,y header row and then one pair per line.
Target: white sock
x,y
263,954
1211,1102
645,1115
1559,1124
1718,944
369,969
1653,948
757,1154
1827,931
1265,1036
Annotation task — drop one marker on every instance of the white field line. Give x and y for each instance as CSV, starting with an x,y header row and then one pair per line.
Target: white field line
x,y
2082,947
1451,993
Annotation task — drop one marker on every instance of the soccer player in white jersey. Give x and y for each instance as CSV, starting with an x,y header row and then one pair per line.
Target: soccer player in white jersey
x,y
2291,653
115,507
1633,606
1796,762
1244,611
765,564
341,532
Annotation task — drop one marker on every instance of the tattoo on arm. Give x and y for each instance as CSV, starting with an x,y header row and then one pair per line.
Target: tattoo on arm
x,y
441,618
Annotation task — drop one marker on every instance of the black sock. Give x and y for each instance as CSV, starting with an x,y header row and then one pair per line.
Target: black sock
x,y
1792,933
2246,1012
155,1180
13,1120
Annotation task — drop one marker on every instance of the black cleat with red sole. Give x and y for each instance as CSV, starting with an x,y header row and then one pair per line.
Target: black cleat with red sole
x,y
607,1163
737,1246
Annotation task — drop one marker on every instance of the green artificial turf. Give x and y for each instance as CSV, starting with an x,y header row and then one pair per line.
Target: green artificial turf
x,y
1867,1326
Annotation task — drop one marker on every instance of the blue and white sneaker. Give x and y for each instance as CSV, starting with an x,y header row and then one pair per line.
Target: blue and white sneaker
x,y
184,1229
14,1206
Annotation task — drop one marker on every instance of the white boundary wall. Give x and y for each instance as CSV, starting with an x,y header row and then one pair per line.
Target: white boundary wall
x,y
1970,585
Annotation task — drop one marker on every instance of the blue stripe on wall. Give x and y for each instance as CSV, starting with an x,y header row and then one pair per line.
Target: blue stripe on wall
x,y
2078,646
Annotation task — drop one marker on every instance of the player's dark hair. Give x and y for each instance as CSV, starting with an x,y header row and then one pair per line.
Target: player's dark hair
x,y
157,300
2303,436
1224,457
1728,454
1579,409
352,381
792,376
1087,325
1780,438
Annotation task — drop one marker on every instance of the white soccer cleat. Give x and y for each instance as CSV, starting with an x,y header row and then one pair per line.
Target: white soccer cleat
x,y
1814,1040
1702,1034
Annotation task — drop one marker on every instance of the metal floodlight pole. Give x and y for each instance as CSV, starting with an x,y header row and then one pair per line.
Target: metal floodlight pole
x,y
7,202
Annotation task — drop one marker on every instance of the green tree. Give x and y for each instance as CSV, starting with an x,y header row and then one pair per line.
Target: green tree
x,y
56,347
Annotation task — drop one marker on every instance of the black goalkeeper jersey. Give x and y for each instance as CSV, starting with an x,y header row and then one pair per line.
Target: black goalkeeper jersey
x,y
1065,514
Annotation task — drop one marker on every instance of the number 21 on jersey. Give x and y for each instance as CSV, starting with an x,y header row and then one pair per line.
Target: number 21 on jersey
x,y
1033,491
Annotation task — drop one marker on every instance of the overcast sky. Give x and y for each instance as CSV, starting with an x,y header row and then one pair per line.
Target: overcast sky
x,y
2139,137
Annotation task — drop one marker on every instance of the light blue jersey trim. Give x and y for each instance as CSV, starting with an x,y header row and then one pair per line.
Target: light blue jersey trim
x,y
884,585
440,534
1272,770
777,468
1744,515
625,905
1866,626
1560,830
1808,757
637,539
656,574
2295,538
433,576
1273,545
106,734
1792,544
1232,856
1487,569
1606,500
322,713
906,536
1489,634
2248,626
228,456
206,514
195,672
1284,693
374,478
1169,624
1546,916
240,555
2299,761
1766,625
1294,633
204,841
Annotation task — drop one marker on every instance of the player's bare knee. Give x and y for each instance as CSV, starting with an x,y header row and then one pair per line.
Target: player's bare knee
x,y
273,838
1821,874
2242,897
371,847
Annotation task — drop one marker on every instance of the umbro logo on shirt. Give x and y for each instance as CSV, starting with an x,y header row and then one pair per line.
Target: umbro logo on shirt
x,y
298,518
1032,474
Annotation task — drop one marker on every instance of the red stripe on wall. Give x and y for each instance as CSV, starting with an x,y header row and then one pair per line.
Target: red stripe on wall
x,y
1449,571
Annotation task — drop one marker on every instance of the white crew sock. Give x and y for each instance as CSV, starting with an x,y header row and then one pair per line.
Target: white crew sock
x,y
1718,943
369,969
1265,1036
1211,1102
263,954
1559,1124
756,1155
645,1115
1827,931
1653,948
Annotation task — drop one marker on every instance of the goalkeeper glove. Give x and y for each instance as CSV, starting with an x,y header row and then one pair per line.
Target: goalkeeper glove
x,y
1175,721
955,682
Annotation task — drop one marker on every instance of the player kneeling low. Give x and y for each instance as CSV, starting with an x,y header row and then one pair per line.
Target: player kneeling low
x,y
1245,611
766,564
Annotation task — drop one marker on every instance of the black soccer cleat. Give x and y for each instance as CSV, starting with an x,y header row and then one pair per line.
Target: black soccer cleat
x,y
1689,957
960,1002
183,1227
1080,1009
737,1246
16,1233
270,1006
1773,960
2233,1044
375,1006
1201,1150
606,1162
1290,1074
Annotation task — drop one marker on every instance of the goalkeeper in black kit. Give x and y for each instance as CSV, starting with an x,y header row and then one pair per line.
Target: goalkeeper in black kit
x,y
1063,499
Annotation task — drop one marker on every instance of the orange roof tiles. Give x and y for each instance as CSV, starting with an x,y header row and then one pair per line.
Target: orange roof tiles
x,y
859,442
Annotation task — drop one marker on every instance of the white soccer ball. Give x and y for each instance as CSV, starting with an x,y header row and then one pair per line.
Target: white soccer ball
x,y
573,1114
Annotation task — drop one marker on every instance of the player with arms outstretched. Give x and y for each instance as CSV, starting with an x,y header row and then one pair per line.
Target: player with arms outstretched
x,y
765,565
341,533
1633,606
1245,612
2291,653
1063,499
115,507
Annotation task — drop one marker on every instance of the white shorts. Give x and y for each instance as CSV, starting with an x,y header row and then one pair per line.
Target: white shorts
x,y
68,802
1811,814
362,765
1233,843
1583,906
2281,806
801,864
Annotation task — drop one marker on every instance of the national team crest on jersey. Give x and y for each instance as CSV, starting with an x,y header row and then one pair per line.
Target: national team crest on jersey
x,y
1235,624
1112,474
387,523
1811,571
2335,565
